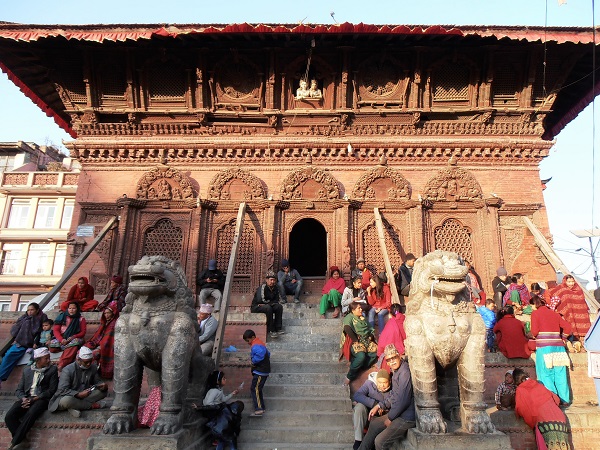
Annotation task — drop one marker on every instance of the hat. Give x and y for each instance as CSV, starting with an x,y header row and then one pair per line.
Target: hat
x,y
85,353
383,374
39,352
117,279
409,256
501,272
360,260
285,263
212,264
509,372
270,274
390,351
383,277
333,269
206,308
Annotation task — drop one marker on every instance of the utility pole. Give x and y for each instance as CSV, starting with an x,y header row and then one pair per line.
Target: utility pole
x,y
594,232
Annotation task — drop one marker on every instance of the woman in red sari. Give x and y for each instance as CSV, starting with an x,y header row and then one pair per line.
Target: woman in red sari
x,y
573,307
393,333
332,292
539,408
103,341
69,330
83,294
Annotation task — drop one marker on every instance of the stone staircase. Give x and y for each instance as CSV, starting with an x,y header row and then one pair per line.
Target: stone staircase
x,y
307,405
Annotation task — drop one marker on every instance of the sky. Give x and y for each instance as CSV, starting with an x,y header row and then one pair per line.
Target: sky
x,y
569,197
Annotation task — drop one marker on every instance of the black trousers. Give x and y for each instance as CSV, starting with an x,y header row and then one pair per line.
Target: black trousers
x,y
19,420
274,312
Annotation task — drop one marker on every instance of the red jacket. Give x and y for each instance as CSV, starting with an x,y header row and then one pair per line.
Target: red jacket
x,y
381,303
511,339
544,319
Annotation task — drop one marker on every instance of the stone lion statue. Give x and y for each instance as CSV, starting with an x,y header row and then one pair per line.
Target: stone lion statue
x,y
157,330
442,324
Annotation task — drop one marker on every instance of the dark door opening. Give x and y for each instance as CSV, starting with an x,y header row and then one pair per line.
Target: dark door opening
x,y
308,248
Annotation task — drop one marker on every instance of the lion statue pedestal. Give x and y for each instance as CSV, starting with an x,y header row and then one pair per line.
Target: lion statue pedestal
x,y
157,332
445,344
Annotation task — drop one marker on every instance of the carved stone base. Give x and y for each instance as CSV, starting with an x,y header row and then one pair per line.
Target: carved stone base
x,y
194,436
455,439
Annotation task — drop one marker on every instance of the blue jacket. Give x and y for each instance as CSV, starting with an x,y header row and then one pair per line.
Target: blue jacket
x,y
368,394
260,358
401,401
489,316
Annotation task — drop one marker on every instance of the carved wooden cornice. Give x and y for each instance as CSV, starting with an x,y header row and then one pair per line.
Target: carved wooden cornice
x,y
520,208
131,202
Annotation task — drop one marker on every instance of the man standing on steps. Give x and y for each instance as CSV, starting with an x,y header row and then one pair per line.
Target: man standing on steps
x,y
260,357
289,281
267,300
404,277
385,431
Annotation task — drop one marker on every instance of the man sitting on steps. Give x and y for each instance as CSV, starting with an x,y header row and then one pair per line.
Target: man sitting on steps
x,y
289,281
267,300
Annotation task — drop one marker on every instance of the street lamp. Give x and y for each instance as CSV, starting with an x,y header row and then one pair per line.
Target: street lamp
x,y
594,232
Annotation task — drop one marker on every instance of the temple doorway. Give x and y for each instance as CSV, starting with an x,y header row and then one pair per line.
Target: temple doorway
x,y
308,248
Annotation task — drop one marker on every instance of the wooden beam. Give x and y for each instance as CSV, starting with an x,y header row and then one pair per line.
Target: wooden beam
x,y
386,259
239,225
556,262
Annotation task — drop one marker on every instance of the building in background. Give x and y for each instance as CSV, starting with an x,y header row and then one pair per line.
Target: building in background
x,y
37,199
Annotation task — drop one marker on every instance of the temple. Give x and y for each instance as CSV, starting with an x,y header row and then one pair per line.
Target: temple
x,y
441,128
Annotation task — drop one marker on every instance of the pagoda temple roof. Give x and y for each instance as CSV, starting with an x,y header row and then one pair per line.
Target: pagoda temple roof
x,y
21,70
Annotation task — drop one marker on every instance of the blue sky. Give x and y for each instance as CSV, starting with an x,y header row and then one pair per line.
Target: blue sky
x,y
570,164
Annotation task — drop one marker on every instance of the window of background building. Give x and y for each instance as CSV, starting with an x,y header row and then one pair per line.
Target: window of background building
x,y
24,301
19,213
11,257
65,222
5,302
60,257
37,259
7,163
44,217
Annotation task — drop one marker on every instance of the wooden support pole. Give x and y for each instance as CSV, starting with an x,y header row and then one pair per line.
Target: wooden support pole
x,y
239,225
386,259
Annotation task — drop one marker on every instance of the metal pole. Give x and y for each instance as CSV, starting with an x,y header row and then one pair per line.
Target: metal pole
x,y
594,263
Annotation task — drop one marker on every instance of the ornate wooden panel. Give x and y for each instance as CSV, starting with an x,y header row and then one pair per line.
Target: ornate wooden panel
x,y
452,236
164,239
245,265
372,251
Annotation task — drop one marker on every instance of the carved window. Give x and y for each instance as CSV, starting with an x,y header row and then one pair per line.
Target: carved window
x,y
165,239
545,83
114,84
505,85
450,83
242,282
372,250
166,84
71,77
452,236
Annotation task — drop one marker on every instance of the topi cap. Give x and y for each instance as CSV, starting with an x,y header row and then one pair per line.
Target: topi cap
x,y
390,351
501,272
509,372
270,274
285,263
212,264
85,353
39,352
410,256
117,279
360,260
383,374
206,308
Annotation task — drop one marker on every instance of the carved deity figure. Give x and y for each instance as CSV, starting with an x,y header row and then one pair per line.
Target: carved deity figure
x,y
302,91
157,330
314,91
164,190
442,324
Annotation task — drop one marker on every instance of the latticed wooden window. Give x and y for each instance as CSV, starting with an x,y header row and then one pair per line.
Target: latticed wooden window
x,y
504,85
553,68
452,236
166,83
165,239
114,83
242,281
372,250
450,83
71,77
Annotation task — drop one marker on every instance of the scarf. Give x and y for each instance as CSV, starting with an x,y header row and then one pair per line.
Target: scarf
x,y
359,324
38,376
27,327
74,326
84,293
573,307
523,293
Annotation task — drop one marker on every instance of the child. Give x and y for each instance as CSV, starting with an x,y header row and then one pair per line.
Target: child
x,y
45,336
489,319
215,395
261,368
226,426
505,394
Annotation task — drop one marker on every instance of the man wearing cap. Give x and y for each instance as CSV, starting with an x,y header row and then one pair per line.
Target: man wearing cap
x,y
289,281
211,283
404,276
373,391
116,293
267,300
362,272
80,387
386,430
500,284
37,386
208,328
